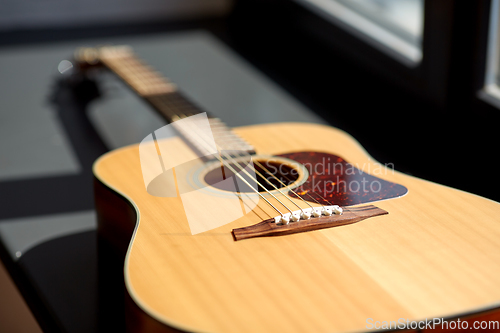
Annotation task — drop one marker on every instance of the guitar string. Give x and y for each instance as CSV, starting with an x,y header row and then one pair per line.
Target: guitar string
x,y
183,115
236,163
221,159
267,171
245,154
269,182
178,116
143,79
135,62
148,80
291,190
228,156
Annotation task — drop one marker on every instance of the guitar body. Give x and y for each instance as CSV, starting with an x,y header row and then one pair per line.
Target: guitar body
x,y
435,254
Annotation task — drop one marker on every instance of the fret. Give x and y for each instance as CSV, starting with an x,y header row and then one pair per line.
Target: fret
x,y
163,96
176,105
173,104
142,78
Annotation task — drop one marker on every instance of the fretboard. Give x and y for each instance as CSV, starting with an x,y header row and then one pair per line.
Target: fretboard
x,y
162,95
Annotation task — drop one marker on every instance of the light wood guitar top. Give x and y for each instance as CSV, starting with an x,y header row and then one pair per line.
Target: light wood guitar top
x,y
436,254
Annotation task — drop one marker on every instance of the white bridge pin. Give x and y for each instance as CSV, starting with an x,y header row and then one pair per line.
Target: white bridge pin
x,y
307,213
337,210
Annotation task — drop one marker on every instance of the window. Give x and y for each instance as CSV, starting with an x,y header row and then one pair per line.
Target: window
x,y
394,26
491,90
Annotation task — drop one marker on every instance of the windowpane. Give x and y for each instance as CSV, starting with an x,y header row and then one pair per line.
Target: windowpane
x,y
395,26
491,91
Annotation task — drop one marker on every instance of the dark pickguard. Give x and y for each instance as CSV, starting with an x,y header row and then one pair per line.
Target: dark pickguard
x,y
341,183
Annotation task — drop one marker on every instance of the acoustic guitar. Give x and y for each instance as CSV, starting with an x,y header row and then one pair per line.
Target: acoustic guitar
x,y
288,227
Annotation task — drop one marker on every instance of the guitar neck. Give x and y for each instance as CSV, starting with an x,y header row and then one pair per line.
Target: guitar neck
x,y
162,95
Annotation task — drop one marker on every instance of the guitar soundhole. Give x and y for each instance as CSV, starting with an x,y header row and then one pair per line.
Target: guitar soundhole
x,y
276,173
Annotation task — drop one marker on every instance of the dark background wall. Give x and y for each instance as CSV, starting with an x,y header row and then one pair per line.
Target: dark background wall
x,y
426,120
